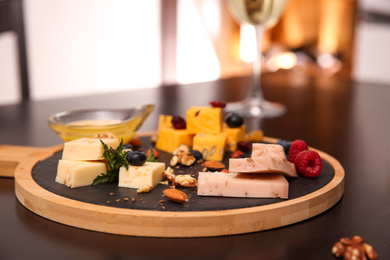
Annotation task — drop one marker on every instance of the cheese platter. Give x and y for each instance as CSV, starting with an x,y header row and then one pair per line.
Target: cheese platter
x,y
116,210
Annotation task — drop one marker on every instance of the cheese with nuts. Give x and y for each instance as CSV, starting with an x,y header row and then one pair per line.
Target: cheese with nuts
x,y
234,135
272,150
207,120
141,177
169,139
264,164
242,185
78,173
84,149
211,146
265,158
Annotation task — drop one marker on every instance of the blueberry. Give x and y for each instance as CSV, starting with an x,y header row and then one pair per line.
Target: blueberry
x,y
234,120
127,146
196,154
286,145
136,158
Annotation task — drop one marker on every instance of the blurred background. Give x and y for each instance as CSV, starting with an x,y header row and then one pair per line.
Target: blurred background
x,y
61,48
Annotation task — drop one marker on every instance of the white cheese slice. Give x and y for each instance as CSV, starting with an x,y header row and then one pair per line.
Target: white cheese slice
x,y
242,185
139,177
78,173
87,148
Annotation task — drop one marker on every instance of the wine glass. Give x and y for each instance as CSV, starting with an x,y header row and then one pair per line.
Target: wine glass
x,y
260,14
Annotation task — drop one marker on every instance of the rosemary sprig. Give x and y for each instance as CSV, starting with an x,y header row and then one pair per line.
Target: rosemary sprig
x,y
116,158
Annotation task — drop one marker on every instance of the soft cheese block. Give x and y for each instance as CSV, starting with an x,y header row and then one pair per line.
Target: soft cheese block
x,y
263,164
211,146
85,149
265,158
262,149
78,173
139,177
206,120
242,185
169,139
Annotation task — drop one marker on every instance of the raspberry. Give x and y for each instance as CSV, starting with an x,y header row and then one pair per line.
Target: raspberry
x,y
218,104
296,147
178,122
308,163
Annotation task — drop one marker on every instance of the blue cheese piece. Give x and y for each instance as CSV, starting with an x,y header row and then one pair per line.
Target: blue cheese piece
x,y
78,173
144,178
85,149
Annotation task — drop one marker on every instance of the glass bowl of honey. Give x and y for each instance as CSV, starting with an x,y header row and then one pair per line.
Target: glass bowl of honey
x,y
124,123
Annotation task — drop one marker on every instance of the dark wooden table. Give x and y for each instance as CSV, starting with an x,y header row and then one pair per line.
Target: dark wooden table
x,y
348,120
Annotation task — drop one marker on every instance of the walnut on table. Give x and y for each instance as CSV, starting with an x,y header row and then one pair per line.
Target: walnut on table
x,y
354,249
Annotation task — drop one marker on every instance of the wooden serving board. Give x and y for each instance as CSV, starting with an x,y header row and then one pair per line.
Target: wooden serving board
x,y
104,208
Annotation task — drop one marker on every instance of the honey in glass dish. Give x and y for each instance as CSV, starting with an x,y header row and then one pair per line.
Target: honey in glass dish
x,y
75,130
124,123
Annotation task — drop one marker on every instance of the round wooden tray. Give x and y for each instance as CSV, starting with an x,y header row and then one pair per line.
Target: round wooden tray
x,y
152,223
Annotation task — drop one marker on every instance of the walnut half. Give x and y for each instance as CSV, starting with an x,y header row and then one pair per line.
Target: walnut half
x,y
183,158
354,249
182,180
185,181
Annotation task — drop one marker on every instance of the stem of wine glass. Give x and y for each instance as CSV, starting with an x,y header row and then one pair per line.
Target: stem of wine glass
x,y
254,105
256,91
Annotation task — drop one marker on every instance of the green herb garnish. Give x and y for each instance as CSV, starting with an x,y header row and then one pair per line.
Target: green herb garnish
x,y
151,157
116,158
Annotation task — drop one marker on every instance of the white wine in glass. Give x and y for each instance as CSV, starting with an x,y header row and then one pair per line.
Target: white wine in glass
x,y
261,14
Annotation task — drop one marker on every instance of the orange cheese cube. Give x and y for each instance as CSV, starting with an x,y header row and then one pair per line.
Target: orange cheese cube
x,y
169,139
234,135
211,146
207,120
164,121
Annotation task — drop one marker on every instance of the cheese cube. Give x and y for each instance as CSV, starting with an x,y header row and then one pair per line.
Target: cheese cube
x,y
206,120
169,139
85,149
234,135
139,177
242,185
78,173
164,121
211,146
